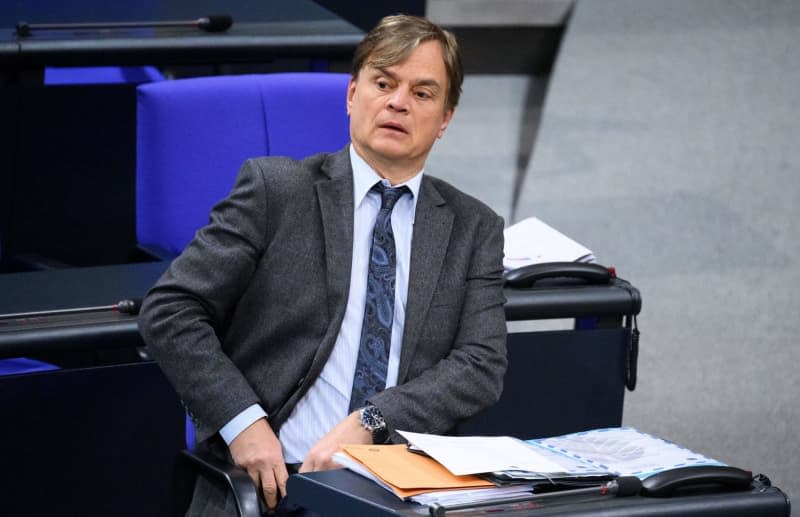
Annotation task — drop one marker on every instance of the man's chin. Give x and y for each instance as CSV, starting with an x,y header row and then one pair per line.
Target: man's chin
x,y
391,151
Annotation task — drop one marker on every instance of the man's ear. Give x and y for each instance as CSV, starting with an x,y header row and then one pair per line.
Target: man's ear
x,y
448,116
351,90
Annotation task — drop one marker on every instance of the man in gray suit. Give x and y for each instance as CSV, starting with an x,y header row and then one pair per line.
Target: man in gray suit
x,y
267,317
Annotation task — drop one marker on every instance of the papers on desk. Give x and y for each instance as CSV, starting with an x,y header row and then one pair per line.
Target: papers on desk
x,y
464,455
531,241
458,469
417,477
624,451
502,456
620,451
404,473
474,496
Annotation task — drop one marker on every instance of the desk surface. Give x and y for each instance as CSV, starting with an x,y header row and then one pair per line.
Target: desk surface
x,y
102,285
261,31
106,285
341,492
67,289
76,287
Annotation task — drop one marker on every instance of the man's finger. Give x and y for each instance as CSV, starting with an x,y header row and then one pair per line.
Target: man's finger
x,y
270,489
281,476
309,465
255,475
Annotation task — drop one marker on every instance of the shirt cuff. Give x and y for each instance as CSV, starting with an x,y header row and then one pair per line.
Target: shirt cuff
x,y
241,422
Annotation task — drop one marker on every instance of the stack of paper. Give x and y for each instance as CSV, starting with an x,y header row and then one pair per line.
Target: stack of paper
x,y
404,473
501,456
451,470
619,451
531,241
466,496
447,472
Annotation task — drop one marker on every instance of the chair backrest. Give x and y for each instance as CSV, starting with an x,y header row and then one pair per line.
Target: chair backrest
x,y
194,134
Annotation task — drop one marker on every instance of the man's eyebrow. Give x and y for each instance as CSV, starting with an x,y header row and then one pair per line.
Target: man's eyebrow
x,y
433,83
383,71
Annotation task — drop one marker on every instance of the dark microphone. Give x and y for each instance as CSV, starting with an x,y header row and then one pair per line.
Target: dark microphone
x,y
214,23
128,306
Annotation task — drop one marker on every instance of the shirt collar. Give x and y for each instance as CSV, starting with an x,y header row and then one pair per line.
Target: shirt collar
x,y
364,177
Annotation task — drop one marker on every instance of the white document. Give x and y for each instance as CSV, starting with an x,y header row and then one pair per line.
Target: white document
x,y
625,451
463,455
471,496
531,241
622,451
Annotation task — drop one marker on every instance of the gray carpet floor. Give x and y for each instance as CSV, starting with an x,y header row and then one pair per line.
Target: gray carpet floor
x,y
669,145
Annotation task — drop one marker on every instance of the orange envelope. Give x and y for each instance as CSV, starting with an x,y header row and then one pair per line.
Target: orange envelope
x,y
408,473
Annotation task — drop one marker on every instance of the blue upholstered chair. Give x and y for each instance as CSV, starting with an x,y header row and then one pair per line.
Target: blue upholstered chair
x,y
192,137
194,134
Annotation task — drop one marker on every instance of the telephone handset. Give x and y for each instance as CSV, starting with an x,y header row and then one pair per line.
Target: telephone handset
x,y
705,477
527,276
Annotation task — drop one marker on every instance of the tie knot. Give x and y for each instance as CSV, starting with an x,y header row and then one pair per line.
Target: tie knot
x,y
389,195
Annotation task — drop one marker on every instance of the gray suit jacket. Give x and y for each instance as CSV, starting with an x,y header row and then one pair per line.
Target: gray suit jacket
x,y
250,311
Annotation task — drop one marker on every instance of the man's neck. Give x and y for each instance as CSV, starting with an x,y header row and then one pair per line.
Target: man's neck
x,y
395,172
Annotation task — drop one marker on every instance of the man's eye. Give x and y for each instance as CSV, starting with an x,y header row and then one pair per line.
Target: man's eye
x,y
423,95
382,85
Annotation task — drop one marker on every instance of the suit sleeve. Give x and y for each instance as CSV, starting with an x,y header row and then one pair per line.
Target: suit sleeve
x,y
470,377
184,314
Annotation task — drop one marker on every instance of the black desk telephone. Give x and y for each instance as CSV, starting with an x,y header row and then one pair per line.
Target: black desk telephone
x,y
696,479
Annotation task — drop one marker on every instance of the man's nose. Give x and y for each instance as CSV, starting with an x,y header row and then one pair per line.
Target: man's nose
x,y
399,99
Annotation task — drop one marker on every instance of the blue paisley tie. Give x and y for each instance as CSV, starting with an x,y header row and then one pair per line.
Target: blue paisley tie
x,y
376,332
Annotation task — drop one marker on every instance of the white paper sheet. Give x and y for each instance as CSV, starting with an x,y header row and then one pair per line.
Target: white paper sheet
x,y
532,241
463,455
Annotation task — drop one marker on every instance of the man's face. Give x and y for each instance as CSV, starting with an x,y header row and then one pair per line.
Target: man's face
x,y
398,112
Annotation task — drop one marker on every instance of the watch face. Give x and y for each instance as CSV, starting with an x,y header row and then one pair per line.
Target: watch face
x,y
372,419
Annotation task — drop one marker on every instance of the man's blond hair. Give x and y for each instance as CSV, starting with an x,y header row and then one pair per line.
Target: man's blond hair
x,y
396,36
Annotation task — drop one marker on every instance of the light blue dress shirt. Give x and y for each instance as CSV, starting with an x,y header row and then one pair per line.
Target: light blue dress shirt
x,y
326,402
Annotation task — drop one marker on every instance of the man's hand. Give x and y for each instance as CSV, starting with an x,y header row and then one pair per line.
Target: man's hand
x,y
258,451
347,431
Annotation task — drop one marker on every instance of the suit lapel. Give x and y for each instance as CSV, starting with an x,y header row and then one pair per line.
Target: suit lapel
x,y
433,224
336,210
335,196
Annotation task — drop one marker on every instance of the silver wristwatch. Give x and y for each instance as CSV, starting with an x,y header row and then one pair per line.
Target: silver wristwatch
x,y
372,420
